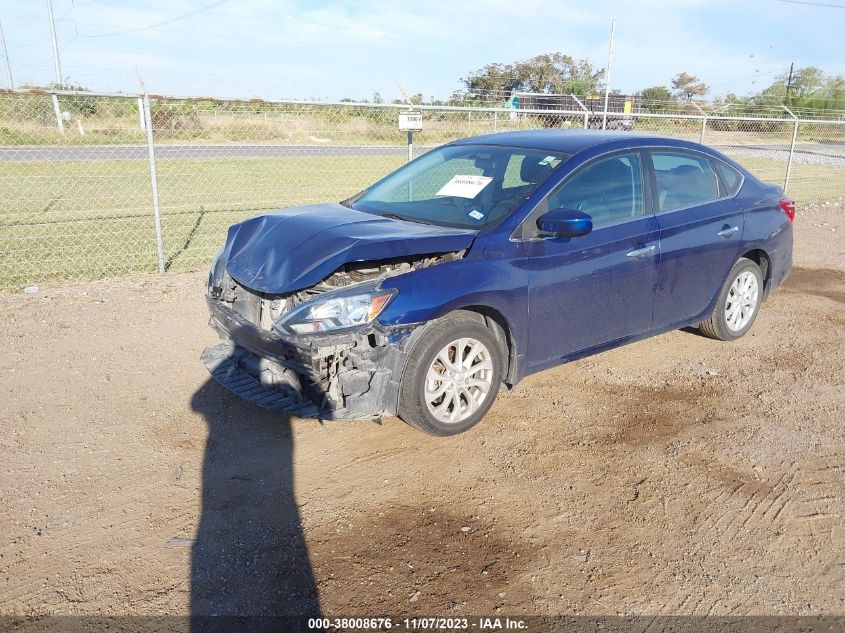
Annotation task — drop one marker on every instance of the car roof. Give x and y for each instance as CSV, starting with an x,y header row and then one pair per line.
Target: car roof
x,y
571,141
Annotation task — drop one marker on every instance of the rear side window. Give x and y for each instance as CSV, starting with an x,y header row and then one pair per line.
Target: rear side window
x,y
609,189
683,180
731,178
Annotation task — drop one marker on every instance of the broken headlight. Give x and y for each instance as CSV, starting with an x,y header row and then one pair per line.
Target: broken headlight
x,y
336,311
215,274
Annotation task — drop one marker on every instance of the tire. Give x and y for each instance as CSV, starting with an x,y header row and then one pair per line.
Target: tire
x,y
739,299
418,401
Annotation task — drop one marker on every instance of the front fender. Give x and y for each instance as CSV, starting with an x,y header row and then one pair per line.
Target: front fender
x,y
430,293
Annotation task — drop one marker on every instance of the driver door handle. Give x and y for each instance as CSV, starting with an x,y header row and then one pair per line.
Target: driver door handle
x,y
645,251
728,232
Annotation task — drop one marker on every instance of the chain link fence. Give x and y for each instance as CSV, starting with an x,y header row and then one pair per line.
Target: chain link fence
x,y
97,185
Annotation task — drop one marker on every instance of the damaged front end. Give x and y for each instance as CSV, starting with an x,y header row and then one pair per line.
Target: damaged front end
x,y
315,352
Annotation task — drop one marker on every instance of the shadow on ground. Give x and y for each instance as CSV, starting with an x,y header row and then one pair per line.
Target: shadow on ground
x,y
250,557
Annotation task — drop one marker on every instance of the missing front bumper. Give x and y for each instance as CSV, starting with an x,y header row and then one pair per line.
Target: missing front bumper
x,y
223,362
351,377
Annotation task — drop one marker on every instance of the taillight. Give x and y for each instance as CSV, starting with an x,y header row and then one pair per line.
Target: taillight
x,y
788,206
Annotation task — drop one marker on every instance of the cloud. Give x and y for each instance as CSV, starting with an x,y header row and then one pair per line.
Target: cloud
x,y
342,48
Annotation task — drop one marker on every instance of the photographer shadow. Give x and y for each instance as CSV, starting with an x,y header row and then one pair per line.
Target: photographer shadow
x,y
250,557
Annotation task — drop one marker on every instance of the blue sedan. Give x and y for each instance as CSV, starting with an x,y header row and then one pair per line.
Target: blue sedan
x,y
484,261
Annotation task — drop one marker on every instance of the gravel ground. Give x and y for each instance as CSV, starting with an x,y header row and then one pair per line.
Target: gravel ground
x,y
799,157
677,475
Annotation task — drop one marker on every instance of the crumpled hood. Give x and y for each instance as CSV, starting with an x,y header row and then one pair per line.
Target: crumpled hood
x,y
290,249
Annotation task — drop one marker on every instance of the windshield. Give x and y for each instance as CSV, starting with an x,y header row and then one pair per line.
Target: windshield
x,y
460,185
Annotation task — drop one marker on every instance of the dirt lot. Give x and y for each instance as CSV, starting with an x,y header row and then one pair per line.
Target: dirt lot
x,y
674,476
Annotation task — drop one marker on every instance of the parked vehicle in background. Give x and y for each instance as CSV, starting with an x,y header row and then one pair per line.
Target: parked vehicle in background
x,y
619,109
484,261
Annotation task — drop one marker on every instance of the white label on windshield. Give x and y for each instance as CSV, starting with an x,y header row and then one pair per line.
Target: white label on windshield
x,y
464,186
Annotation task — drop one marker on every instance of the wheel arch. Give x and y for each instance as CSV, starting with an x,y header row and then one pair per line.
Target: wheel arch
x,y
495,321
762,259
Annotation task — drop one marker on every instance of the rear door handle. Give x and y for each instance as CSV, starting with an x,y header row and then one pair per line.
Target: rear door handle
x,y
645,251
728,232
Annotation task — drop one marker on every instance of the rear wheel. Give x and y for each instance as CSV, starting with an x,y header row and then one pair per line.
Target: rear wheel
x,y
452,376
738,304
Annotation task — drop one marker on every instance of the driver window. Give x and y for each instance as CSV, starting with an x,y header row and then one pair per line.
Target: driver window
x,y
609,189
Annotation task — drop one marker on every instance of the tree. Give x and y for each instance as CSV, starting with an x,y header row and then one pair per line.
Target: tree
x,y
809,88
416,99
656,93
551,73
654,97
77,104
689,86
805,81
834,92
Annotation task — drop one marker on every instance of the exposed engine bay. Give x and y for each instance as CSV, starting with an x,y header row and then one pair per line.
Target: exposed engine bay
x,y
341,375
264,309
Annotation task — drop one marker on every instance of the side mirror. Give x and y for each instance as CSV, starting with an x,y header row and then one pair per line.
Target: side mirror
x,y
565,223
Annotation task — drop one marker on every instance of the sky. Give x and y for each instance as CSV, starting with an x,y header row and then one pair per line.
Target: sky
x,y
331,49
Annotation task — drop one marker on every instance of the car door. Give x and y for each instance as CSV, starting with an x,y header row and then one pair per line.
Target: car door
x,y
594,289
700,234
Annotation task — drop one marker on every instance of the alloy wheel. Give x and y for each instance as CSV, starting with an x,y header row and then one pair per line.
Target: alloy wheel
x,y
741,301
458,380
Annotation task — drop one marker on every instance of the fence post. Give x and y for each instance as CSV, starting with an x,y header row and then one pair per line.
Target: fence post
x,y
791,149
141,125
495,120
151,153
703,121
584,108
58,112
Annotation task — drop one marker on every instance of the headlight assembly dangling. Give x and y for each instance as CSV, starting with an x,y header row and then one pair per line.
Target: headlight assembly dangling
x,y
214,272
336,311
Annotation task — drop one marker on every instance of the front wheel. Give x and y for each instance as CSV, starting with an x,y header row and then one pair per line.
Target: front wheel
x,y
452,377
738,304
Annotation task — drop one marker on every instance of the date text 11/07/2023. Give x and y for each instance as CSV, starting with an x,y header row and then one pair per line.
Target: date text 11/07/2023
x,y
418,624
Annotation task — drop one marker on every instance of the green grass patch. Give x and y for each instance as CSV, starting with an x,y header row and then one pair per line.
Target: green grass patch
x,y
92,219
70,220
807,183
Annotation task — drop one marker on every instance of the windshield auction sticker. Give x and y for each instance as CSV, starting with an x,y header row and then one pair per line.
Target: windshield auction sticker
x,y
461,186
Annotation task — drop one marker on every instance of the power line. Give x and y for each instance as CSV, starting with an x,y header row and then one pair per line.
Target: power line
x,y
815,4
154,27
735,81
207,7
26,21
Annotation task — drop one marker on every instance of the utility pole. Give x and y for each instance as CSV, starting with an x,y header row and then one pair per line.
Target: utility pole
x,y
6,57
607,74
56,64
789,81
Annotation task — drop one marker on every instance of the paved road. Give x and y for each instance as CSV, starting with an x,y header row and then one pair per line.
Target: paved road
x,y
139,152
832,150
807,154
